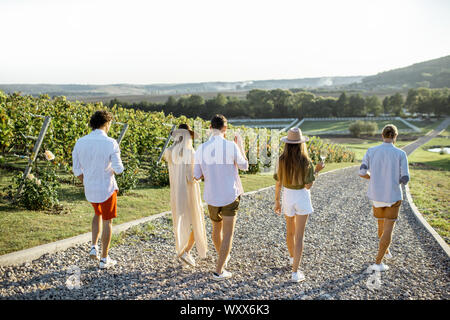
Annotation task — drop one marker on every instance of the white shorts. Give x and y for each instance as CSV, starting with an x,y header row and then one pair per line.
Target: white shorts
x,y
296,202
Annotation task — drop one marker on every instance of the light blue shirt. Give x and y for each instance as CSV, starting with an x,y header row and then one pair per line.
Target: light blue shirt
x,y
218,160
388,167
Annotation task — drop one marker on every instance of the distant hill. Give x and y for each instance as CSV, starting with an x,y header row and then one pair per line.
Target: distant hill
x,y
432,73
117,90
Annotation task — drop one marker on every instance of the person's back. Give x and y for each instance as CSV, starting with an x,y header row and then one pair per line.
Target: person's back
x,y
219,160
99,157
388,166
96,158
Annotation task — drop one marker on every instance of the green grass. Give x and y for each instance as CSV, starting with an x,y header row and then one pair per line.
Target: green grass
x,y
360,146
430,184
324,126
430,189
21,229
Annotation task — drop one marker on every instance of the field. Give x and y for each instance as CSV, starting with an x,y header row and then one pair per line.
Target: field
x,y
430,184
263,123
318,127
360,146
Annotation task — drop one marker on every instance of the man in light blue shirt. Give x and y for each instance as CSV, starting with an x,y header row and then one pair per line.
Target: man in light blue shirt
x,y
218,161
386,167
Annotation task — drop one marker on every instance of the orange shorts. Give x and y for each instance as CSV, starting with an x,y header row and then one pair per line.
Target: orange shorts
x,y
108,209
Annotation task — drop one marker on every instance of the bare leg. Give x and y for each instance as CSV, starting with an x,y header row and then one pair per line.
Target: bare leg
x,y
217,234
290,235
300,224
385,239
106,237
225,248
96,226
190,243
380,227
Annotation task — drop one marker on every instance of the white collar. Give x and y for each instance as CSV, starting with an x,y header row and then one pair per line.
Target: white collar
x,y
216,133
100,131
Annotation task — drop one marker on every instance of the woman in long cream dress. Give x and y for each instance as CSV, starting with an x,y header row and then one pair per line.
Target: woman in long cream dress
x,y
185,197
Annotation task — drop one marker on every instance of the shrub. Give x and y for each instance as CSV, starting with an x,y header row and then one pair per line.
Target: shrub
x,y
158,173
371,128
39,192
356,128
128,179
363,127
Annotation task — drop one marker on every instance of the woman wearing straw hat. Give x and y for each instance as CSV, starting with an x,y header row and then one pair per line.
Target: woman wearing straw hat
x,y
185,198
295,175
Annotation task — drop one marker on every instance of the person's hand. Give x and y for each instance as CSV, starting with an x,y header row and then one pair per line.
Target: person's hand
x,y
319,166
278,207
238,140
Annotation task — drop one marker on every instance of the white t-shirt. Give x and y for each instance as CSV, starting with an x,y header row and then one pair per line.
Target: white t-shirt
x,y
379,204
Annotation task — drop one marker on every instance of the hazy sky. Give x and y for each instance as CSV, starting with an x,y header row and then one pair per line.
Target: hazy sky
x,y
168,41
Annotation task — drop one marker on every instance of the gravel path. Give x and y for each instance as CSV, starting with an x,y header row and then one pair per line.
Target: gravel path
x,y
340,243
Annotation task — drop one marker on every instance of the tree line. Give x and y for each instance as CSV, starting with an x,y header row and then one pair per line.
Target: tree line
x,y
279,103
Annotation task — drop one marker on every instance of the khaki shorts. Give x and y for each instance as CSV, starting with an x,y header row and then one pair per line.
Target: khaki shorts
x,y
387,212
230,210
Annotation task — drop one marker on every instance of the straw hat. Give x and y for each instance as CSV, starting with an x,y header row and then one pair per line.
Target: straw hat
x,y
295,136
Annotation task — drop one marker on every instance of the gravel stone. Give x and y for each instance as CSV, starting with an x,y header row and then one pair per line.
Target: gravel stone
x,y
340,243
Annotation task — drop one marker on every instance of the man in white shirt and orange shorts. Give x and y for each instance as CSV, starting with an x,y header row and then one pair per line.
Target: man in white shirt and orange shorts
x,y
96,159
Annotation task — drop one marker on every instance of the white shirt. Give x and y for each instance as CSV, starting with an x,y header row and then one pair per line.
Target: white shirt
x,y
218,160
380,204
97,157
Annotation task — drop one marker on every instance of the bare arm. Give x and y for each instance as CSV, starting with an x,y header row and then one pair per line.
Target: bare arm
x,y
277,198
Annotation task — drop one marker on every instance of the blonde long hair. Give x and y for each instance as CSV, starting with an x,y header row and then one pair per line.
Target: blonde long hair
x,y
293,164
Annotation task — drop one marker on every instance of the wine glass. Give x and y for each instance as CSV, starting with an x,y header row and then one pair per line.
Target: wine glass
x,y
323,155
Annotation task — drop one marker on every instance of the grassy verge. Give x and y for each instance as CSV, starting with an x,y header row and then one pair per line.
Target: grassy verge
x,y
21,229
430,184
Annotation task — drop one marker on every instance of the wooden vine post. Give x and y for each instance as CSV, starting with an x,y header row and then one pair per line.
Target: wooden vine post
x,y
37,147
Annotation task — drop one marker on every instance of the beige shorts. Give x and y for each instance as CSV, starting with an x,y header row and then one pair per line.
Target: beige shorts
x,y
217,213
387,212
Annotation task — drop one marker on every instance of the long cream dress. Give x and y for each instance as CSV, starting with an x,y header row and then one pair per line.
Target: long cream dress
x,y
185,197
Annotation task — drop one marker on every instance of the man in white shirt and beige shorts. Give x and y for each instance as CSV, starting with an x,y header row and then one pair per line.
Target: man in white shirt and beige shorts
x,y
218,161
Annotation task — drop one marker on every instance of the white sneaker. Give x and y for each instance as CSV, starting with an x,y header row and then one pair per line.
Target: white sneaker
x,y
379,267
291,260
297,276
224,275
107,262
388,255
94,253
188,258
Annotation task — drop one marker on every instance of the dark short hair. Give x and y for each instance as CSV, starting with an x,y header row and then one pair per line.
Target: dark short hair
x,y
218,121
99,118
